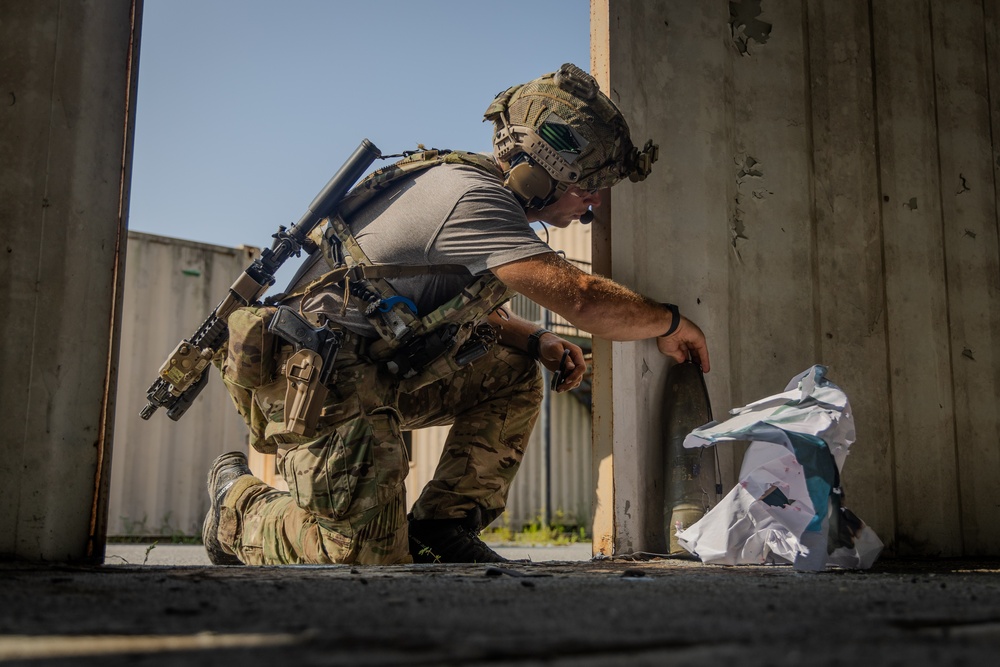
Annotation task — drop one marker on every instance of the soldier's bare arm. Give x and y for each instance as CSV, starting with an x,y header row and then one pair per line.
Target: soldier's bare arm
x,y
602,306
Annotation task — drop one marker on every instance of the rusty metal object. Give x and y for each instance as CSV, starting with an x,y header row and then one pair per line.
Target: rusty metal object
x,y
689,474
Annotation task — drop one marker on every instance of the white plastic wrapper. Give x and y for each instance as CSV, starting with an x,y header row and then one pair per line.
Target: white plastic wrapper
x,y
787,507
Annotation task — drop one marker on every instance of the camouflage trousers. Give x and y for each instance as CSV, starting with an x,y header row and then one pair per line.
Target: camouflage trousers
x,y
346,500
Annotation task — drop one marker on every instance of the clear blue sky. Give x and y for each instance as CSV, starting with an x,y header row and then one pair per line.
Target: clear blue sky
x,y
246,108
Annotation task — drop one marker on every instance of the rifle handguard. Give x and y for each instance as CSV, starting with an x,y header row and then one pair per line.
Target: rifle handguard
x,y
182,375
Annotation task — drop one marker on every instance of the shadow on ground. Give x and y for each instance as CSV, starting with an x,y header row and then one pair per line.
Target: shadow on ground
x,y
555,613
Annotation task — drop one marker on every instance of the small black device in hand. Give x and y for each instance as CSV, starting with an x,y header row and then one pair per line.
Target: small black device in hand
x,y
557,377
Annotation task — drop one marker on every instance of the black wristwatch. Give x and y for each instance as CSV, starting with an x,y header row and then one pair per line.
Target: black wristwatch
x,y
534,341
675,321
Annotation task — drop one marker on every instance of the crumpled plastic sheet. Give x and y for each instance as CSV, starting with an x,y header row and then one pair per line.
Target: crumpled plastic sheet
x,y
787,506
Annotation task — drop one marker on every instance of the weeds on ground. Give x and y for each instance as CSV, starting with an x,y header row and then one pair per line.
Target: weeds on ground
x,y
145,556
562,530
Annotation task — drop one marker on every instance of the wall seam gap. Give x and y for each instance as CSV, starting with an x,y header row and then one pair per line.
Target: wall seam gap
x,y
733,293
947,291
105,447
994,152
734,339
885,299
813,224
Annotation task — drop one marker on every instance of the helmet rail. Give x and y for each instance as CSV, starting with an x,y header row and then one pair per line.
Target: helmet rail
x,y
560,130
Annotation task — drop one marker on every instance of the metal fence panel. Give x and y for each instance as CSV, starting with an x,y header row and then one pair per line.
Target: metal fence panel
x,y
159,466
561,495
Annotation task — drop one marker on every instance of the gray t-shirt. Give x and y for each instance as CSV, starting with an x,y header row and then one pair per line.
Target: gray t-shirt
x,y
448,214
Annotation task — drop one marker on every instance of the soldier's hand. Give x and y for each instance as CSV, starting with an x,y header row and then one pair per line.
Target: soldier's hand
x,y
688,342
550,352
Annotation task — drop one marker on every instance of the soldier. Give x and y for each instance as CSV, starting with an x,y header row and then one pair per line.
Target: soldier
x,y
433,344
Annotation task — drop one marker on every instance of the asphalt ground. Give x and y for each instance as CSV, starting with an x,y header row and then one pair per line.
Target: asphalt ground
x,y
605,612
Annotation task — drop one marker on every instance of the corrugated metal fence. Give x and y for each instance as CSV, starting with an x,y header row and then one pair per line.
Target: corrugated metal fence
x,y
159,466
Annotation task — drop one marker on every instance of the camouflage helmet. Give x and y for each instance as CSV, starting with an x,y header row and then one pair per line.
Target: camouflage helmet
x,y
562,122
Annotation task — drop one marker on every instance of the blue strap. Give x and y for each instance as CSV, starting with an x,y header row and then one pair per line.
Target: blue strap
x,y
386,304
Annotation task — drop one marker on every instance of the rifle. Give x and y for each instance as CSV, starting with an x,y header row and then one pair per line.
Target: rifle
x,y
182,375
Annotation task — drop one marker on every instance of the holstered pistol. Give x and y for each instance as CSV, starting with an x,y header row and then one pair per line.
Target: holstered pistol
x,y
308,370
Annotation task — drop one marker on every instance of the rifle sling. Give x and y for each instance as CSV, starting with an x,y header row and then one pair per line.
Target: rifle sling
x,y
390,272
364,272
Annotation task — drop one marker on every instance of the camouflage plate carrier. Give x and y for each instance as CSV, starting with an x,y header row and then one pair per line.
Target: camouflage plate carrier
x,y
417,350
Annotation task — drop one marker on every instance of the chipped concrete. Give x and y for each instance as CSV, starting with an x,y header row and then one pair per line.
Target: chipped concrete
x,y
747,168
745,25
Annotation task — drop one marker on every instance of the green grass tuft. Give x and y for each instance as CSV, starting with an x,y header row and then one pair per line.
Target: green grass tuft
x,y
561,531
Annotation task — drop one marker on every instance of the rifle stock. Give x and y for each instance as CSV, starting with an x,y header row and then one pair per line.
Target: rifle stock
x,y
182,376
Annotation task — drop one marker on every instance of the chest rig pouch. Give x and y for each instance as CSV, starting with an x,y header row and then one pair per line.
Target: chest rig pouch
x,y
248,364
416,349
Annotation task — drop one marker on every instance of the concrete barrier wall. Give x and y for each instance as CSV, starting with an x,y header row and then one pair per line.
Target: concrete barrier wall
x,y
69,72
826,193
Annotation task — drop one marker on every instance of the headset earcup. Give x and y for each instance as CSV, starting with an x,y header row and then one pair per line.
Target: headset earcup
x,y
530,182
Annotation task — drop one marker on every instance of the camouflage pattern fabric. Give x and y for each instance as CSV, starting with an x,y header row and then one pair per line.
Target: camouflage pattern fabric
x,y
380,179
247,363
492,405
346,501
607,154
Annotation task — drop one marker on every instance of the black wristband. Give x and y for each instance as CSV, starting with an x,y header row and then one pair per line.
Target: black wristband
x,y
675,322
533,342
